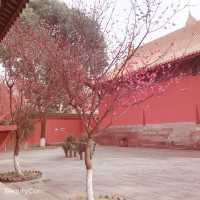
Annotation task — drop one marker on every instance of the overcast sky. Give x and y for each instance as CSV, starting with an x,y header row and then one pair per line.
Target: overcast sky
x,y
180,19
124,5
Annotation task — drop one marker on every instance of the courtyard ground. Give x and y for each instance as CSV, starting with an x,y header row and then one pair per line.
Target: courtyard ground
x,y
136,173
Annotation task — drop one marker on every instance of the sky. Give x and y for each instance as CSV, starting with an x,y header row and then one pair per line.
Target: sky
x,y
123,5
179,20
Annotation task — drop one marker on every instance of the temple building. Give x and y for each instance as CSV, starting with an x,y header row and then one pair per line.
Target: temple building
x,y
9,11
171,118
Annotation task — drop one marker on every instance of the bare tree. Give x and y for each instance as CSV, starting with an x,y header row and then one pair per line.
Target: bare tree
x,y
29,59
94,96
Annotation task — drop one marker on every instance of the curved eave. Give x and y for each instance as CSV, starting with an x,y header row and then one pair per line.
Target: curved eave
x,y
178,59
9,12
173,61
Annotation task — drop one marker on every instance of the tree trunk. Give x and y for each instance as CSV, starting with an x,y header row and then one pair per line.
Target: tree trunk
x,y
89,174
11,111
16,155
81,150
70,153
74,154
43,131
81,155
66,152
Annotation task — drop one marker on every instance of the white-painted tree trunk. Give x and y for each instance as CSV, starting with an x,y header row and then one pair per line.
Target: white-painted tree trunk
x,y
89,185
42,142
17,166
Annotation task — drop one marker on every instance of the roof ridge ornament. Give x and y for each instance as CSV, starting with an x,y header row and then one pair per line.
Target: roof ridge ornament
x,y
190,20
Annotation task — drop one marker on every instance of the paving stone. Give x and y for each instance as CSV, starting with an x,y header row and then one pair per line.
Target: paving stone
x,y
136,173
7,193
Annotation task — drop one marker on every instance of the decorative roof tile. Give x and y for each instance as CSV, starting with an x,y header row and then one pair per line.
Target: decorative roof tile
x,y
180,44
191,20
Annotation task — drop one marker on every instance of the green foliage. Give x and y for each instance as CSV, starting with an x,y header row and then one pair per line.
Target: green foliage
x,y
3,53
60,107
30,16
23,118
71,22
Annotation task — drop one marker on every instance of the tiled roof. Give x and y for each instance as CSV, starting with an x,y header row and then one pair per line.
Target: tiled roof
x,y
5,128
177,45
9,11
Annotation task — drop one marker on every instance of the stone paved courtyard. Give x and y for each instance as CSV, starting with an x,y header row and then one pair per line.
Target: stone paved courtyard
x,y
136,173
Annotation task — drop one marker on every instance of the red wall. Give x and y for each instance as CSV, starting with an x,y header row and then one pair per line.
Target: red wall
x,y
172,118
178,103
3,140
34,139
57,128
